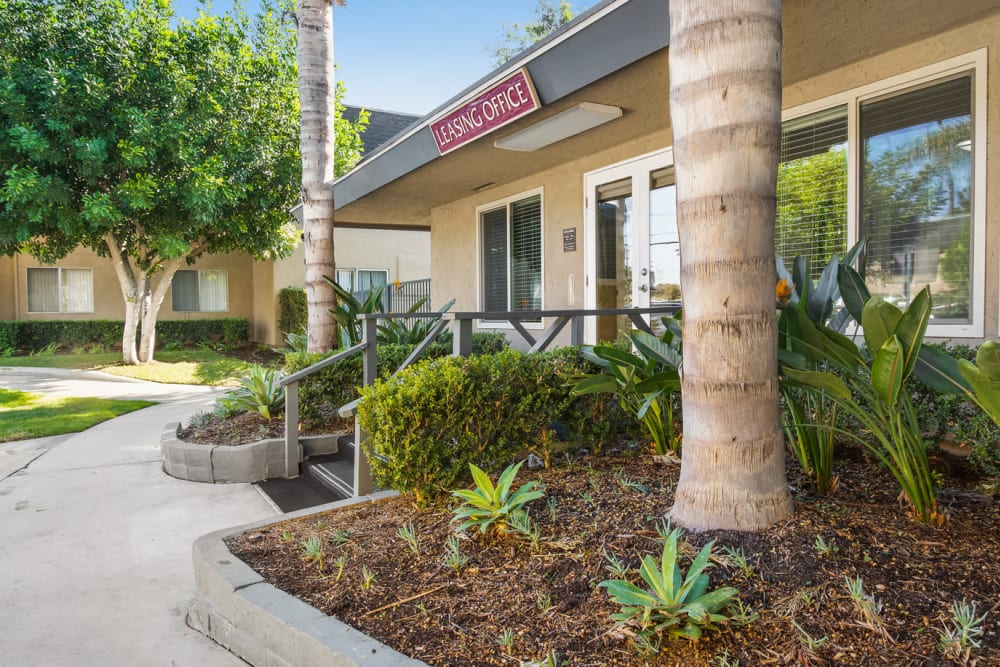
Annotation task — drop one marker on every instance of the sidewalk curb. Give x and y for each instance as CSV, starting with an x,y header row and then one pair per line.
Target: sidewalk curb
x,y
266,626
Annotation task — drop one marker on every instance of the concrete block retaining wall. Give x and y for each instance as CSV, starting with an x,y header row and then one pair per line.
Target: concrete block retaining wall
x,y
266,626
253,462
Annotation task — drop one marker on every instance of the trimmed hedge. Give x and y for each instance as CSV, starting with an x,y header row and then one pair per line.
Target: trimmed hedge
x,y
429,422
293,311
325,392
31,335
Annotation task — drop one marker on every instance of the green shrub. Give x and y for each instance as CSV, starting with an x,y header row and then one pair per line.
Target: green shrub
x,y
293,312
322,394
426,425
957,418
32,335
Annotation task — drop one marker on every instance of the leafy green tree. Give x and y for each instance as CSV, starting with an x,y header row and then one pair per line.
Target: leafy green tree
x,y
518,37
148,140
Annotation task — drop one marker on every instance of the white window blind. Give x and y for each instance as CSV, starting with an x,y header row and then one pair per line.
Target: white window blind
x,y
526,254
916,194
512,256
812,188
213,291
58,290
345,278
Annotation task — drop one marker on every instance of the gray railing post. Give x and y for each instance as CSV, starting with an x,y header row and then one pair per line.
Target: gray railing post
x,y
293,452
576,330
362,467
462,340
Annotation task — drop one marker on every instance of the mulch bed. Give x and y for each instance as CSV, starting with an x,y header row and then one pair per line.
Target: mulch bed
x,y
248,427
546,598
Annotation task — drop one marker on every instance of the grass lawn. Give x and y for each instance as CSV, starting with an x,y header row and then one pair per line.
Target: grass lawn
x,y
24,415
170,366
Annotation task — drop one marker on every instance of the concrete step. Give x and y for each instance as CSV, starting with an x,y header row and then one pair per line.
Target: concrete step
x,y
291,495
335,472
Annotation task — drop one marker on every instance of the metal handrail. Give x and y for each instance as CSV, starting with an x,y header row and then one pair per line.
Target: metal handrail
x,y
461,323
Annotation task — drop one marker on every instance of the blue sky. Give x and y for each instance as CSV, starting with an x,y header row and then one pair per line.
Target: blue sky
x,y
410,56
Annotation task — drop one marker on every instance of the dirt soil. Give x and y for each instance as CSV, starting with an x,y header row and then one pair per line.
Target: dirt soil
x,y
249,427
546,597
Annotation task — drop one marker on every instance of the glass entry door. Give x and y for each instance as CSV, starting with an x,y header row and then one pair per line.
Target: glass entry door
x,y
633,256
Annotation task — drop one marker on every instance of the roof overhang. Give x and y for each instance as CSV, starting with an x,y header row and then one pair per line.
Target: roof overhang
x,y
408,177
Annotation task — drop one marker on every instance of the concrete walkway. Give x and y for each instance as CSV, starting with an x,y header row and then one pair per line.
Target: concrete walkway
x,y
95,541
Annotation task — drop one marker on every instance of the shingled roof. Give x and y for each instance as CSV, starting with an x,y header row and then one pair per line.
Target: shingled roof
x,y
382,126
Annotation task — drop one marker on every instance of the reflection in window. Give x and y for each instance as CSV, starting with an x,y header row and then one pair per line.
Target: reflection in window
x,y
916,195
812,188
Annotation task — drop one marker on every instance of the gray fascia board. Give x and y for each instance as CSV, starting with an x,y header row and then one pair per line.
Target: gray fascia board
x,y
629,33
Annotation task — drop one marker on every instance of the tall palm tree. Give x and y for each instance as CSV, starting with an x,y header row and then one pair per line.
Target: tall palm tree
x,y
316,106
725,107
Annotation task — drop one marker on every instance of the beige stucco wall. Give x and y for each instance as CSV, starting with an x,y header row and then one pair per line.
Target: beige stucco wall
x,y
453,236
253,286
8,294
108,302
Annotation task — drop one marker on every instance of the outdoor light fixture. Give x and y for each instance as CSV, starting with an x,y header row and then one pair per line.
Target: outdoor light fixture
x,y
580,118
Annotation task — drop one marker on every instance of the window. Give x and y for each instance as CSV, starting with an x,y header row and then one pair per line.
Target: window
x,y
200,291
916,195
360,281
58,290
900,163
370,278
812,188
511,243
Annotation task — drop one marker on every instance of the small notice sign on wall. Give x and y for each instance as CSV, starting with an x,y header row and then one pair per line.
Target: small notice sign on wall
x,y
569,239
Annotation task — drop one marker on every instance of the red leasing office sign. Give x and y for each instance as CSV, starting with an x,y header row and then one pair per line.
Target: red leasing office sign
x,y
505,102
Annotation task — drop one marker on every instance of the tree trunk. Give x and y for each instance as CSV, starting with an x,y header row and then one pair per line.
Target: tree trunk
x,y
725,104
316,103
129,285
153,301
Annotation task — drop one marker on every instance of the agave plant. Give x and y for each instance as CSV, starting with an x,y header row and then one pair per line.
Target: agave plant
x,y
258,392
674,604
488,505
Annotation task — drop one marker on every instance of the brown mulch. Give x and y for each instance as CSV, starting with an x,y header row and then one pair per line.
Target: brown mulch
x,y
248,427
547,597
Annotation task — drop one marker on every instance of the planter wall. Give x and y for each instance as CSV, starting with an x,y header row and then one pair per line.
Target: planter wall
x,y
265,626
253,462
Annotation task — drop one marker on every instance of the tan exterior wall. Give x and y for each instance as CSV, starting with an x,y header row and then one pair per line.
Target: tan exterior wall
x,y
108,302
8,294
454,251
253,286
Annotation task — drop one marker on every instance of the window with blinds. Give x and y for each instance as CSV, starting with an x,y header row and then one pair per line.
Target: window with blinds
x,y
512,256
916,194
812,188
200,291
58,290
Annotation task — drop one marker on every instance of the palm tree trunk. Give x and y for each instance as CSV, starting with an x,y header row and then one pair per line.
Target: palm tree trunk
x,y
725,104
316,102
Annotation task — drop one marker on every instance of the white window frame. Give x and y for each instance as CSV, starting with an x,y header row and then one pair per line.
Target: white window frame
x,y
490,206
200,309
59,286
976,62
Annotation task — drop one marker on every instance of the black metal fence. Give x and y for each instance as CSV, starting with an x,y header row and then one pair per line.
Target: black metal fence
x,y
400,297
